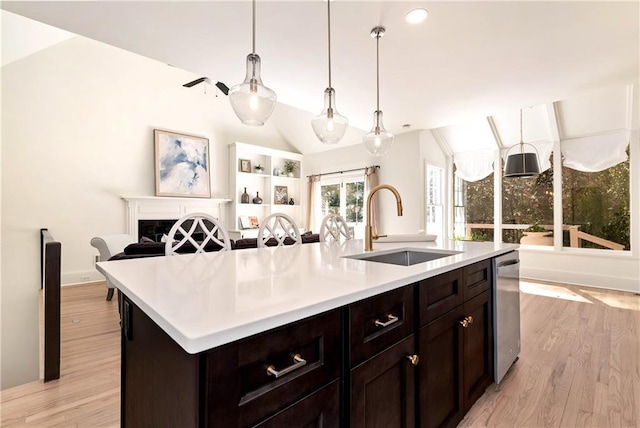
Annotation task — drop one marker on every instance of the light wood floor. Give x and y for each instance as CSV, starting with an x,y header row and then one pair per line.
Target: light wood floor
x,y
88,391
579,365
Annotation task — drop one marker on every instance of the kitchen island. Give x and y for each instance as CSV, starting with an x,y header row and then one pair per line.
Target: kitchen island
x,y
264,336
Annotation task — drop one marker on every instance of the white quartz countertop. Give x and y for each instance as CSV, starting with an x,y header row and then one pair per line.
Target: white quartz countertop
x,y
206,300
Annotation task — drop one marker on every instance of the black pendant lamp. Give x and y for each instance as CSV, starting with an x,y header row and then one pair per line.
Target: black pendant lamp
x,y
522,164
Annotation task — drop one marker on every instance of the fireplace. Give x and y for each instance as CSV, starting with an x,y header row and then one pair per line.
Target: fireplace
x,y
154,229
153,216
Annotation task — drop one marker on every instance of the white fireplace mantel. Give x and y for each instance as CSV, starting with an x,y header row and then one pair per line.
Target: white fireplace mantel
x,y
169,208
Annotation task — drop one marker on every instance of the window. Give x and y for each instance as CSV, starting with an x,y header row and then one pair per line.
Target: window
x,y
344,196
434,208
473,209
596,208
525,202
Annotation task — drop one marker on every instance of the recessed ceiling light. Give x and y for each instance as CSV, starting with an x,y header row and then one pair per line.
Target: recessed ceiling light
x,y
416,16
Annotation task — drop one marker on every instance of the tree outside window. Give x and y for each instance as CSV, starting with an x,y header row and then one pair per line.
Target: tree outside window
x,y
597,204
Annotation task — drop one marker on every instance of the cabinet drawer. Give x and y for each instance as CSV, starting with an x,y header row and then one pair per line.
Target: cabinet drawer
x,y
439,295
477,278
257,377
380,321
320,409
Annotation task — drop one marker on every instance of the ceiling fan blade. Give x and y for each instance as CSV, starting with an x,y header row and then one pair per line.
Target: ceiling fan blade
x,y
195,82
223,88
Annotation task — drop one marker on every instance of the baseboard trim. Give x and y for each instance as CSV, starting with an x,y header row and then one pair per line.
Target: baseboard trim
x,y
582,279
82,277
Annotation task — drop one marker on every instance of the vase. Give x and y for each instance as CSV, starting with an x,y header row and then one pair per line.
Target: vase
x,y
537,238
291,202
257,199
244,198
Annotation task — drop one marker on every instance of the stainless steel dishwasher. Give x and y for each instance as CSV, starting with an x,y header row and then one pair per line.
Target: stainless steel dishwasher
x,y
506,312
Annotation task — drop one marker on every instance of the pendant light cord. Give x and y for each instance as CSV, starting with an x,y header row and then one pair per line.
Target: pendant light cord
x,y
521,141
253,16
378,72
329,36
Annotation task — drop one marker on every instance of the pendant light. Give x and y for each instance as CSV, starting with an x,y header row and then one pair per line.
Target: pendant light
x,y
522,164
378,140
329,126
252,102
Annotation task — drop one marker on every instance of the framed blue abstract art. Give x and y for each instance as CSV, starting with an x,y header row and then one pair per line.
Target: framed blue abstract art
x,y
182,165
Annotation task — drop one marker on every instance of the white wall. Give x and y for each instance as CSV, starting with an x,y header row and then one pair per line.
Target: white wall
x,y
590,268
77,133
402,167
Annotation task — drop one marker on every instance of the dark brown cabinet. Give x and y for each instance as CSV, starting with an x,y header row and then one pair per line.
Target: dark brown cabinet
x,y
266,378
478,349
351,367
159,380
440,371
383,389
456,349
319,410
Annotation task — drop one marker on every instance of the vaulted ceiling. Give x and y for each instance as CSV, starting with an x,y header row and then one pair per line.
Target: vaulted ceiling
x,y
467,62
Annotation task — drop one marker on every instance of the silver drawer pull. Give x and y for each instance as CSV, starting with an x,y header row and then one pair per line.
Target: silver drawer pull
x,y
298,362
390,320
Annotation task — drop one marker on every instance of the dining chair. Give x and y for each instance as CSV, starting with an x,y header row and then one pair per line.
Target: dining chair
x,y
197,233
333,228
278,226
108,246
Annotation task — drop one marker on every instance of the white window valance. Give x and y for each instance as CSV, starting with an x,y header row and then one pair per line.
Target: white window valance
x,y
543,150
474,166
596,152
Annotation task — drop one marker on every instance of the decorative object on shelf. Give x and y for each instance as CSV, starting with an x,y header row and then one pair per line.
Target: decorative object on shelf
x,y
245,165
252,102
244,198
257,199
290,168
291,201
253,220
329,126
181,165
378,140
244,222
280,194
276,171
259,169
522,164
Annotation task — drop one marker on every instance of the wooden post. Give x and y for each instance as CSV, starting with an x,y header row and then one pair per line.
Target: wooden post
x,y
573,236
51,259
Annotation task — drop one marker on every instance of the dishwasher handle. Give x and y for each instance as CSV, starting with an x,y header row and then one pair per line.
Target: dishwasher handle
x,y
508,263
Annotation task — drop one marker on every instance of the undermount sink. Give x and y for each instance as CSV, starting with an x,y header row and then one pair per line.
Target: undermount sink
x,y
404,257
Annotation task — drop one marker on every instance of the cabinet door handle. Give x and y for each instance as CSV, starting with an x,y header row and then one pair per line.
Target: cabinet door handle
x,y
470,319
298,362
127,328
390,320
464,322
414,359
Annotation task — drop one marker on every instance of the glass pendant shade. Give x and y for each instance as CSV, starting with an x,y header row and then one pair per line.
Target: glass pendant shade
x,y
252,102
378,141
329,125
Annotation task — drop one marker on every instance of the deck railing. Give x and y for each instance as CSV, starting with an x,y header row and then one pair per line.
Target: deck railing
x,y
575,234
